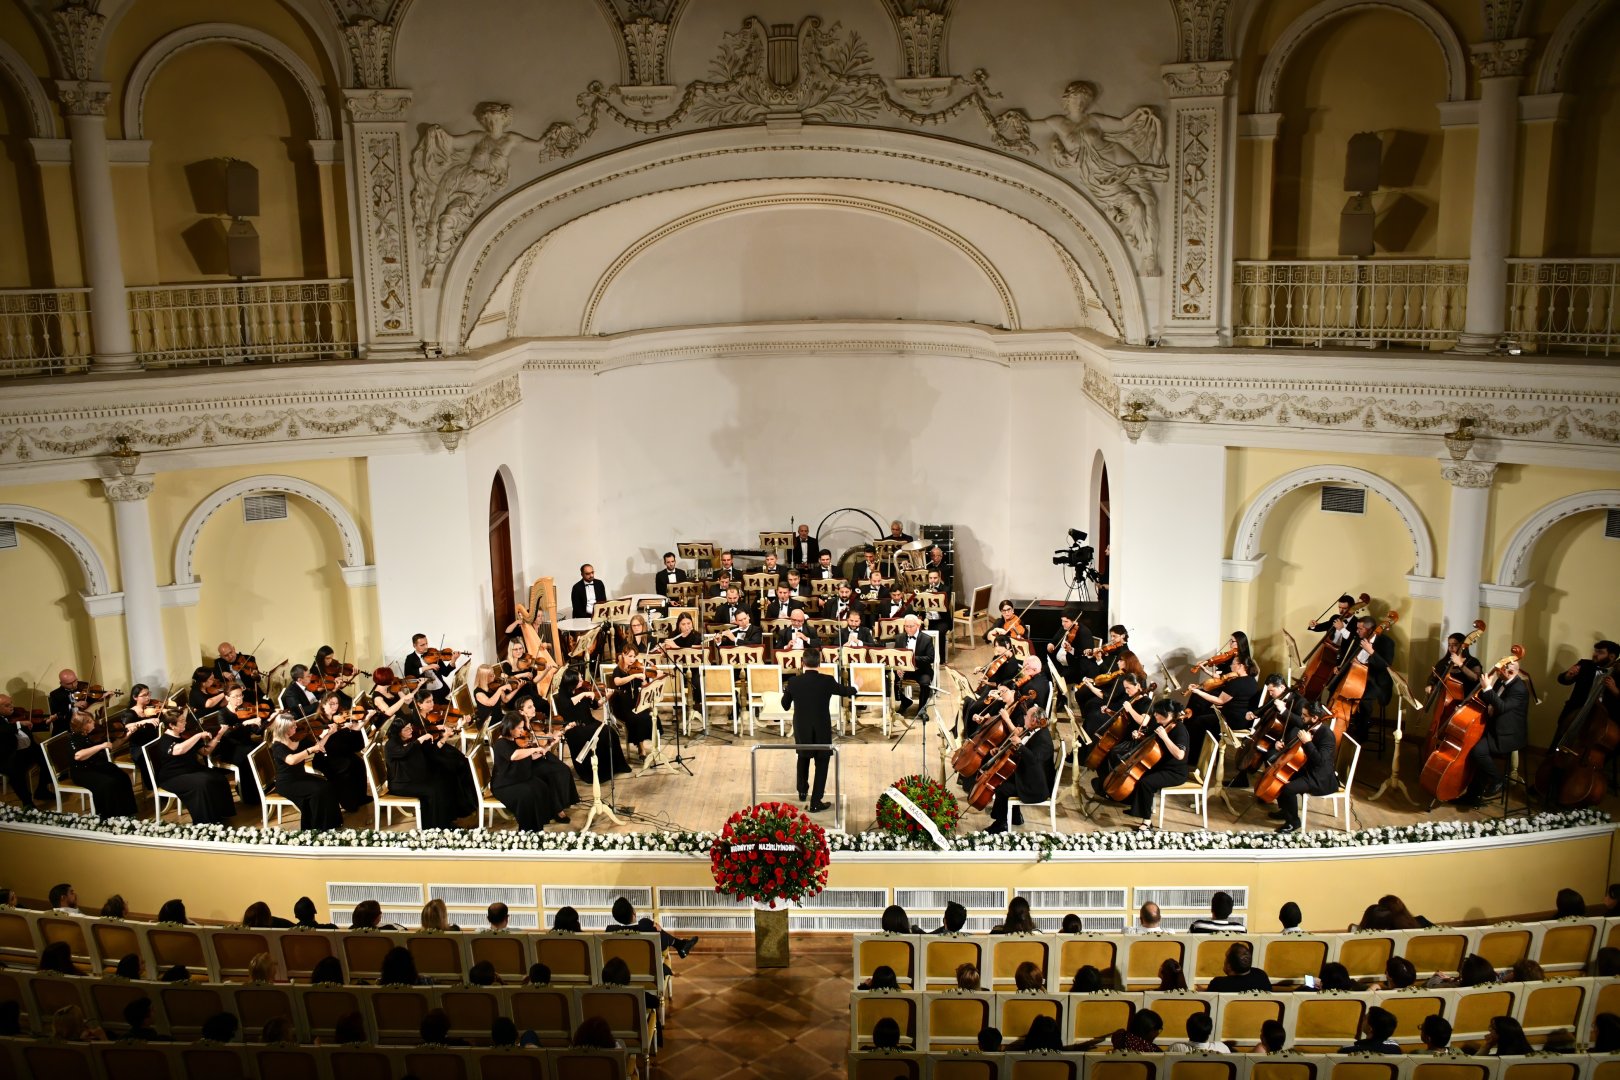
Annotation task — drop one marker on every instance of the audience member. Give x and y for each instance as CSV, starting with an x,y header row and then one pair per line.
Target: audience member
x,y
1071,925
624,918
1399,973
1018,920
1335,976
57,957
883,978
1241,974
173,911
436,916
69,1025
1087,980
1526,970
1505,1038
566,921
483,974
1606,1033
1141,1034
1475,971
179,973
1171,977
350,1030
1273,1038
304,916
990,1040
1200,1028
435,1030
594,1034
1043,1034
894,921
114,908
539,975
497,917
258,917
279,1031
261,969
886,1034
64,897
1608,961
1029,977
129,967
1220,917
1147,920
503,1032
220,1028
138,1015
399,969
1611,901
327,971
967,976
955,918
1435,1032
8,897
1400,916
1569,904
368,916
1377,1031
1290,916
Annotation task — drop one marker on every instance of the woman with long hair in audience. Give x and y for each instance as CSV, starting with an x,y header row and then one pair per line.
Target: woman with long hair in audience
x,y
204,791
1171,976
436,916
398,968
1505,1038
1018,920
1606,1033
515,781
92,768
314,795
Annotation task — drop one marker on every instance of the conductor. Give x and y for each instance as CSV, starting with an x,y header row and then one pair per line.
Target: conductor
x,y
810,695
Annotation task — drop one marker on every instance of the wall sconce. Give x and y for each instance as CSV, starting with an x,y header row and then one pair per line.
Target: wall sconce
x,y
450,432
1134,420
125,456
1461,441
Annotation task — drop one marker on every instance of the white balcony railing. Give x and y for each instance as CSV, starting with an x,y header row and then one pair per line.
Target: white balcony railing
x,y
44,331
177,325
1566,304
1329,301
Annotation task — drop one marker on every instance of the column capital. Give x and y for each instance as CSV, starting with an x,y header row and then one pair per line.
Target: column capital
x,y
81,97
377,105
1502,59
1206,78
127,488
1469,474
371,49
76,32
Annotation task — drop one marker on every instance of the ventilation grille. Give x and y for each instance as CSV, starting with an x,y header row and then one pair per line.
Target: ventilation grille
x,y
846,924
345,894
935,899
1197,899
521,896
673,922
582,896
474,918
409,918
1076,899
1611,528
860,899
1343,500
696,898
264,508
8,533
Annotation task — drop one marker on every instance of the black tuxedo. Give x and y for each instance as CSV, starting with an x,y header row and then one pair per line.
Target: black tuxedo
x,y
579,597
443,671
1580,690
904,538
1331,640
1031,783
298,701
805,550
665,578
784,637
727,613
60,704
1318,777
17,758
922,659
863,635
863,571
774,610
753,636
810,695
1507,728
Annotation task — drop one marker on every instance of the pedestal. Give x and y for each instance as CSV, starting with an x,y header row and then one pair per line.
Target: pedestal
x,y
770,938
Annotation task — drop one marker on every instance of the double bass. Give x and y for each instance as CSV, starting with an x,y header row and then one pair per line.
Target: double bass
x,y
1136,764
1447,693
1351,684
1004,764
1572,773
1447,772
1321,664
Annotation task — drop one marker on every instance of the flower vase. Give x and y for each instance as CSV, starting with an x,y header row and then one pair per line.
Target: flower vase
x,y
770,937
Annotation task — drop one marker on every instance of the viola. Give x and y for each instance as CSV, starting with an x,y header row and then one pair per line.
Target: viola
x,y
1573,773
246,667
1002,766
93,694
1138,763
260,712
1447,772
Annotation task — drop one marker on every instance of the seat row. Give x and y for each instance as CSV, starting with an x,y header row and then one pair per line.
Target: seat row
x,y
882,1065
928,961
1315,1022
222,954
392,1015
143,1061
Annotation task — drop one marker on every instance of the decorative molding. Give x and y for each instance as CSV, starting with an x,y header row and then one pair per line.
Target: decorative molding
x,y
1259,125
1516,559
371,53
1504,597
1246,546
354,554
635,250
326,151
1422,587
51,151
1197,255
374,106
171,45
90,561
15,70
1468,474
1276,62
1201,28
389,288
129,151
82,98
1504,18
922,34
1241,570
1566,38
1459,113
186,595
75,29
359,577
646,43
1197,80
98,607
1502,59
127,488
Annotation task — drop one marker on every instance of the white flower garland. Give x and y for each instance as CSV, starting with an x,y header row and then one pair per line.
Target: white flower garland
x,y
697,844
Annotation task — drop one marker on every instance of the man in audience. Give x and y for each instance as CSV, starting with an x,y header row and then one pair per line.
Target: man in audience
x,y
989,1040
304,916
65,899
138,1015
498,916
1200,1026
624,920
1436,1034
955,919
1147,920
1377,1031
1220,912
1241,974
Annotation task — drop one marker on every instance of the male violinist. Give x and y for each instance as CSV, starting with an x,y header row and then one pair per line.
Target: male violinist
x,y
1507,728
1337,629
1032,780
233,666
1579,678
1377,651
19,754
1070,644
436,676
669,575
60,701
298,698
806,552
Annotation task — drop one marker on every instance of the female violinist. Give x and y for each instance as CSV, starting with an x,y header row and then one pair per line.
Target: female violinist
x,y
340,759
1032,782
1010,626
576,700
93,768
627,680
549,765
204,791
142,723
1172,768
411,755
492,698
239,730
1069,648
444,723
388,697
1233,696
524,670
1209,676
315,796
334,676
1507,728
513,779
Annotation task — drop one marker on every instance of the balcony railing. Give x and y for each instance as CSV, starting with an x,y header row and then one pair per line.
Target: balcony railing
x,y
176,325
44,331
1342,301
1565,304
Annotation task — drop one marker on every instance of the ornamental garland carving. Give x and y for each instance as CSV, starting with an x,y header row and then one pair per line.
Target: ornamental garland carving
x,y
383,214
76,32
1195,218
1202,27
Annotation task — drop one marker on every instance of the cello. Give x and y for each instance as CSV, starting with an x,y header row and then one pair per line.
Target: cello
x,y
1447,771
988,741
1268,732
1113,732
1320,665
1141,759
1572,773
1351,682
1292,759
1446,694
1004,764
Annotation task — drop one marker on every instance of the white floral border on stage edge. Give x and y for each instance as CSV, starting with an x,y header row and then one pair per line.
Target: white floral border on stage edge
x,y
697,844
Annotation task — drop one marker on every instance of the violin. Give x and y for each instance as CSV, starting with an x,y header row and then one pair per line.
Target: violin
x,y
259,712
246,667
211,685
436,656
89,694
1013,627
1212,684
1105,650
1219,658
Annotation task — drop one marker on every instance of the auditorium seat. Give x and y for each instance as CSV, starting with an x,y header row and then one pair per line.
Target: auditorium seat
x,y
955,1019
903,1007
509,953
234,950
1094,1015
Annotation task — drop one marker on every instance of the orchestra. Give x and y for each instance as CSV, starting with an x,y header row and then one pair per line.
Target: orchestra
x,y
545,717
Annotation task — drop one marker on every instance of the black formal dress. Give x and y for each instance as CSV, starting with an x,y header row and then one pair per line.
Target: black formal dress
x,y
610,758
809,694
638,726
517,785
316,798
205,792
1319,776
343,763
413,773
1167,773
138,737
1031,783
107,782
234,746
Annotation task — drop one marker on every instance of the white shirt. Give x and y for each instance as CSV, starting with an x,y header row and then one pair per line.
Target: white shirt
x,y
1185,1047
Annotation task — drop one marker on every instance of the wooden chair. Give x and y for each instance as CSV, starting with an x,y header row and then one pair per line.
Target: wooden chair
x,y
969,616
1196,786
381,800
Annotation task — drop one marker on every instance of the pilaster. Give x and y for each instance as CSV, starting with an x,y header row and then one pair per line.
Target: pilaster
x,y
1465,542
375,144
84,104
1197,288
143,618
1257,172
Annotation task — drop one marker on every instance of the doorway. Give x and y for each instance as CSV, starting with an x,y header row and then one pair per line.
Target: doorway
x,y
501,594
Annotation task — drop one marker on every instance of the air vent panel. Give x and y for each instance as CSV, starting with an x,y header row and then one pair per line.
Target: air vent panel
x,y
267,507
8,534
1611,527
1343,500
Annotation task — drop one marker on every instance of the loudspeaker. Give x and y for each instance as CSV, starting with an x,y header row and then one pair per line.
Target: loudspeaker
x,y
1356,223
242,250
1361,161
242,189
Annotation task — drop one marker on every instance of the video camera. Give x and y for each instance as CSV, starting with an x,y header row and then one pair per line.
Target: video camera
x,y
1078,554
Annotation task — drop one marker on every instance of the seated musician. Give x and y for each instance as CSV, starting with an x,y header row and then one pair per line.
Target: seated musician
x,y
314,794
999,671
1458,663
20,755
1377,651
1217,669
232,665
854,635
772,567
784,605
1069,648
1133,700
204,791
576,701
891,604
823,570
939,621
727,611
1173,767
1098,691
143,723
1009,624
387,699
636,632
867,566
410,755
60,702
1032,782
525,671
669,575
1234,700
898,533
549,765
493,694
627,680
686,634
742,632
1507,728
874,591
1579,678
797,634
1318,777
340,759
921,646
93,768
727,567
513,779
439,673
210,701
326,664
1276,703
298,698
845,602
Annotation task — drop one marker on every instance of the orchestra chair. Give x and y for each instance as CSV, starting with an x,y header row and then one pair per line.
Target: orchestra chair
x,y
381,801
1075,951
1146,954
867,1007
1440,949
1472,1008
1051,801
871,692
969,616
1292,956
301,950
764,684
478,760
473,1009
1364,956
1504,944
1195,787
1567,947
954,1019
59,756
1240,1016
397,1014
259,763
719,691
1410,1010
363,952
1348,781
173,945
159,792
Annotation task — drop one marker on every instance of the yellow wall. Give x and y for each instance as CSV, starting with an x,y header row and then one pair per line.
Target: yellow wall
x,y
19,31
25,253
1588,217
218,101
1329,96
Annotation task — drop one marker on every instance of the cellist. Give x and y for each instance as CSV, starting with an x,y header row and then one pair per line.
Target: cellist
x,y
1032,782
1458,663
1172,768
1318,777
1507,728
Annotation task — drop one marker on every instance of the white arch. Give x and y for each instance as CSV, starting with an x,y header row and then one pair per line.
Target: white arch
x,y
509,227
1246,546
169,46
1516,559
997,282
1315,18
1565,41
20,75
354,550
90,561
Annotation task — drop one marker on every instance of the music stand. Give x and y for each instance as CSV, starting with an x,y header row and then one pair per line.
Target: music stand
x,y
695,552
686,593
648,701
933,603
825,587
740,656
598,805
791,660
614,611
759,582
885,550
776,541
